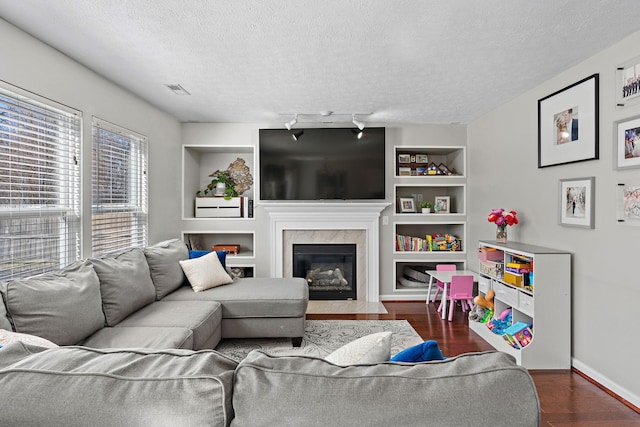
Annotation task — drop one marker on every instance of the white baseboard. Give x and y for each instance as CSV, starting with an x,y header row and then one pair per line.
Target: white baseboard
x,y
606,382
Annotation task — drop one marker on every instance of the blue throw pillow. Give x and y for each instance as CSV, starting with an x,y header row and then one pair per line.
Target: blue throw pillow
x,y
424,352
222,256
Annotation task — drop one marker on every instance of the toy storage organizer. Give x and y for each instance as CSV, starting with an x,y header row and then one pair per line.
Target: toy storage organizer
x,y
533,284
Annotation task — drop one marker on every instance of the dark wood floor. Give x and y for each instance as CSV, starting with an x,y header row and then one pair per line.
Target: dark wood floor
x,y
566,397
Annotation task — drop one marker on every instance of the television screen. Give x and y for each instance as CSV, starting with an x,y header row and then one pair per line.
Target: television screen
x,y
322,164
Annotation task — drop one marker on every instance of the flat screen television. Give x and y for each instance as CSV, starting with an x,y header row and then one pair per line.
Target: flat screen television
x,y
322,164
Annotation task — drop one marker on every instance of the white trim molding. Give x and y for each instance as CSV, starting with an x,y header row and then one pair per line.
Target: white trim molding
x,y
329,216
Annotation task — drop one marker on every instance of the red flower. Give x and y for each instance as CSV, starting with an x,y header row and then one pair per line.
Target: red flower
x,y
502,219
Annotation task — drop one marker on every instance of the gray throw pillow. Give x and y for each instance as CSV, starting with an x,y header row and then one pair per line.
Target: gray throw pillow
x,y
164,264
63,307
125,284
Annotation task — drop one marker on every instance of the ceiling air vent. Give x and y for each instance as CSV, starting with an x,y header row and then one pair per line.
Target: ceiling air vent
x,y
178,90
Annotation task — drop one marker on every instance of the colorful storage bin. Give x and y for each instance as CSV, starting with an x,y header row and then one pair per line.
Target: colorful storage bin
x,y
490,254
492,268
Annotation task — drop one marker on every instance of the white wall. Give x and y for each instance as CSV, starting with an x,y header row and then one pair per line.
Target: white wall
x,y
36,67
502,153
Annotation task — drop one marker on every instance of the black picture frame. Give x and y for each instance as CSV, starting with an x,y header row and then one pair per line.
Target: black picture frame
x,y
559,142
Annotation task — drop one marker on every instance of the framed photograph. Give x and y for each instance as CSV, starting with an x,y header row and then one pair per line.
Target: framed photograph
x,y
404,158
568,124
577,204
407,204
404,171
628,143
628,83
628,204
422,158
442,204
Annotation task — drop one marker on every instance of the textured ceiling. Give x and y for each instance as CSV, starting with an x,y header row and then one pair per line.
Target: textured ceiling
x,y
404,61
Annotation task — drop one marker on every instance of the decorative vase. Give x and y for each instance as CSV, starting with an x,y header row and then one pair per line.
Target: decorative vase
x,y
426,210
221,187
501,234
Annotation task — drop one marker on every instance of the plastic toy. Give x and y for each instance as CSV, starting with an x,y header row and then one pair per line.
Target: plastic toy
x,y
501,323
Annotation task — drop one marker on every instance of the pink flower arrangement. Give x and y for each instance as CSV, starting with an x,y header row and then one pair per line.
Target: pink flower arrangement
x,y
503,219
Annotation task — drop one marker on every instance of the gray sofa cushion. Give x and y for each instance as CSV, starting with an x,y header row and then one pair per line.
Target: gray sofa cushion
x,y
63,307
125,284
253,297
298,390
78,386
141,337
4,320
201,317
163,259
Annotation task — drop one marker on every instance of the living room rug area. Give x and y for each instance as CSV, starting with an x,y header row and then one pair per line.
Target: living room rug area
x,y
322,337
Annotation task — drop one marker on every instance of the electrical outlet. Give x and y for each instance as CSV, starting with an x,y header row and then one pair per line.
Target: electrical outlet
x,y
385,220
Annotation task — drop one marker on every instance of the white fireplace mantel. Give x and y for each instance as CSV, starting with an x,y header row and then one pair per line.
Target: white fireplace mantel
x,y
329,216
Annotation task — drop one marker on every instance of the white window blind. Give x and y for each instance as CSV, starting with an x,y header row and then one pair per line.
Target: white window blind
x,y
119,189
39,184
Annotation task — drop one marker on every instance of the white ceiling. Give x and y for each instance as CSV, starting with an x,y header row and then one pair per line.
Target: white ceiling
x,y
446,61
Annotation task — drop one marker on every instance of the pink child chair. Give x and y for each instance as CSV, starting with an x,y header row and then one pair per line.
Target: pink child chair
x,y
440,287
460,289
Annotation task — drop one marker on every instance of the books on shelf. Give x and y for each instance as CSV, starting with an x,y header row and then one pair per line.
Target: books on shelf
x,y
431,243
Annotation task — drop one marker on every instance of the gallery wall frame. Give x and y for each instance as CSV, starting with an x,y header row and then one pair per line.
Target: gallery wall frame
x,y
628,83
568,124
628,204
577,202
627,143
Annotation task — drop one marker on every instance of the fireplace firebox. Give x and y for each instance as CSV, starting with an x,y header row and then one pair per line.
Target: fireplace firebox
x,y
329,269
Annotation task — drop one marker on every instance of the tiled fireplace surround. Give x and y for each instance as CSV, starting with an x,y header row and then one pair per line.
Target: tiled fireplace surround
x,y
329,222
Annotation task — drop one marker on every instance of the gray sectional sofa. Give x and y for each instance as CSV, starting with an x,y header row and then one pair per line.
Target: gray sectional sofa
x,y
80,386
140,298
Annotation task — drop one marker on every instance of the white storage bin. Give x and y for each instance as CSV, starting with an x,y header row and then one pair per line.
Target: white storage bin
x,y
525,303
506,294
484,284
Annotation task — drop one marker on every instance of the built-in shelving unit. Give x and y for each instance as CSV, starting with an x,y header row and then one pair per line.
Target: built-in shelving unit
x,y
421,174
198,162
541,299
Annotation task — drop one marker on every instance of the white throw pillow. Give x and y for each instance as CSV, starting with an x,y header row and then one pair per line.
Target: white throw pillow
x,y
7,337
205,272
374,348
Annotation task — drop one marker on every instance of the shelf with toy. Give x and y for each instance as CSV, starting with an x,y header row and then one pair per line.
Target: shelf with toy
x,y
434,237
545,340
428,162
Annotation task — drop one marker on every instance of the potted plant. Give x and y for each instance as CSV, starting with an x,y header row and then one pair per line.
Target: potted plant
x,y
221,185
426,207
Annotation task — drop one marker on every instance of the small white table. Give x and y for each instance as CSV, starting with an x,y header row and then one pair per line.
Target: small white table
x,y
445,278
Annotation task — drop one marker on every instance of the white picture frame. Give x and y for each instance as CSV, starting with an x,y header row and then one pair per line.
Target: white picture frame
x,y
577,202
443,202
627,143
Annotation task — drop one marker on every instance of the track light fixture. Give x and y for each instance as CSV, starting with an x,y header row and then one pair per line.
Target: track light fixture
x,y
359,125
358,133
292,123
296,135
